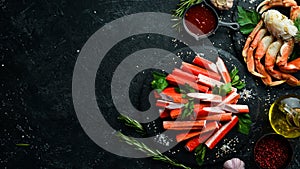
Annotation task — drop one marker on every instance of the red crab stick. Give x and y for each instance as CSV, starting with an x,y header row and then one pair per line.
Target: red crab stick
x,y
198,70
223,70
208,81
168,105
230,99
204,63
203,136
216,117
170,94
215,138
176,80
184,75
183,124
187,135
175,113
164,113
239,107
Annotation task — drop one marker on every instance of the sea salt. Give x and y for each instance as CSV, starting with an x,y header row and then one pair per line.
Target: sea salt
x,y
246,94
163,139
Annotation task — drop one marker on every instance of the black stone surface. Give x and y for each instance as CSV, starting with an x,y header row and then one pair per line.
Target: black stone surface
x,y
39,44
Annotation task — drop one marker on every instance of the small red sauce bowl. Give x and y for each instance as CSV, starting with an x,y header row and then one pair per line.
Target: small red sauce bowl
x,y
201,20
273,151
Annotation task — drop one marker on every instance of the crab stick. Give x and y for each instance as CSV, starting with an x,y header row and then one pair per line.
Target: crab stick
x,y
176,80
184,75
204,63
198,70
208,81
216,117
205,96
183,124
216,137
187,135
175,113
168,104
240,108
164,113
170,94
186,128
202,137
230,99
223,70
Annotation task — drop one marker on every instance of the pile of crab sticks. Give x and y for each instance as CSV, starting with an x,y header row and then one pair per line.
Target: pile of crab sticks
x,y
213,115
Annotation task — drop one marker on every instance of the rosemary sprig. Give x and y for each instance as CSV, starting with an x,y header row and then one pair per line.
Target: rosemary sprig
x,y
183,6
132,123
23,145
156,155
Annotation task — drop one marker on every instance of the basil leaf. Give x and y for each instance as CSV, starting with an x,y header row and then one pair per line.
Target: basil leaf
x,y
159,81
244,125
200,152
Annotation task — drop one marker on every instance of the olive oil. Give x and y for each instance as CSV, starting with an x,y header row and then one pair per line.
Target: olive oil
x,y
284,116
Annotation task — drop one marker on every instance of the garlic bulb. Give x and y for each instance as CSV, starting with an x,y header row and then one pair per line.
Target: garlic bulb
x,y
234,163
222,4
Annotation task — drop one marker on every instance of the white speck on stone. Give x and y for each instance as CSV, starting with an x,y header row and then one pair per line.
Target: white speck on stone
x,y
2,65
246,94
78,51
163,139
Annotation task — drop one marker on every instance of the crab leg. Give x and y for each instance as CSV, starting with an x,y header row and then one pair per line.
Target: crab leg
x,y
270,61
250,39
250,58
267,4
285,51
260,53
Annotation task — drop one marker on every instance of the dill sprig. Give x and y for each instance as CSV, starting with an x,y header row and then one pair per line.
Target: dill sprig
x,y
156,155
132,123
182,6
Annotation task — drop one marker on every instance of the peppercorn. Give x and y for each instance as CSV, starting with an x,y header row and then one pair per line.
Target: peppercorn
x,y
272,152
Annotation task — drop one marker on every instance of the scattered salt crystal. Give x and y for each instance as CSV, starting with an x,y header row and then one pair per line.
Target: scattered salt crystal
x,y
163,139
246,94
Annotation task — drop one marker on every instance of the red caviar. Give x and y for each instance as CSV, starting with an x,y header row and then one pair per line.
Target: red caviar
x,y
272,152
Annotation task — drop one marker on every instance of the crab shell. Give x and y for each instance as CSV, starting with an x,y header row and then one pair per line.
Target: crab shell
x,y
222,4
279,25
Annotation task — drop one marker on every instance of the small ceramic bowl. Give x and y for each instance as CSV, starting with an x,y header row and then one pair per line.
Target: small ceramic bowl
x,y
273,151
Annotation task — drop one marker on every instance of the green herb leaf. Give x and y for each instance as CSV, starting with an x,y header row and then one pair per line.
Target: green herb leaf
x,y
200,154
23,145
235,79
159,81
244,125
183,6
156,155
132,123
223,90
247,19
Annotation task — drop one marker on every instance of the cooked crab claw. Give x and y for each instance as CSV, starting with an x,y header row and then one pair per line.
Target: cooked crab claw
x,y
267,4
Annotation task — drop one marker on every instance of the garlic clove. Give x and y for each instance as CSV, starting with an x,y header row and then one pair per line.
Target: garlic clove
x,y
234,163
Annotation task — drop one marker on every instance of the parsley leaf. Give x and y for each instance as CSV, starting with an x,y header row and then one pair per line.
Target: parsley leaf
x,y
159,81
247,19
200,154
244,123
223,90
235,79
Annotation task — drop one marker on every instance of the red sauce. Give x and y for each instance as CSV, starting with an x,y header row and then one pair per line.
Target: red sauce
x,y
200,20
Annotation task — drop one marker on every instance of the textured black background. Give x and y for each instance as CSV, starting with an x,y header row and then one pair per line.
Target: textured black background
x,y
39,43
